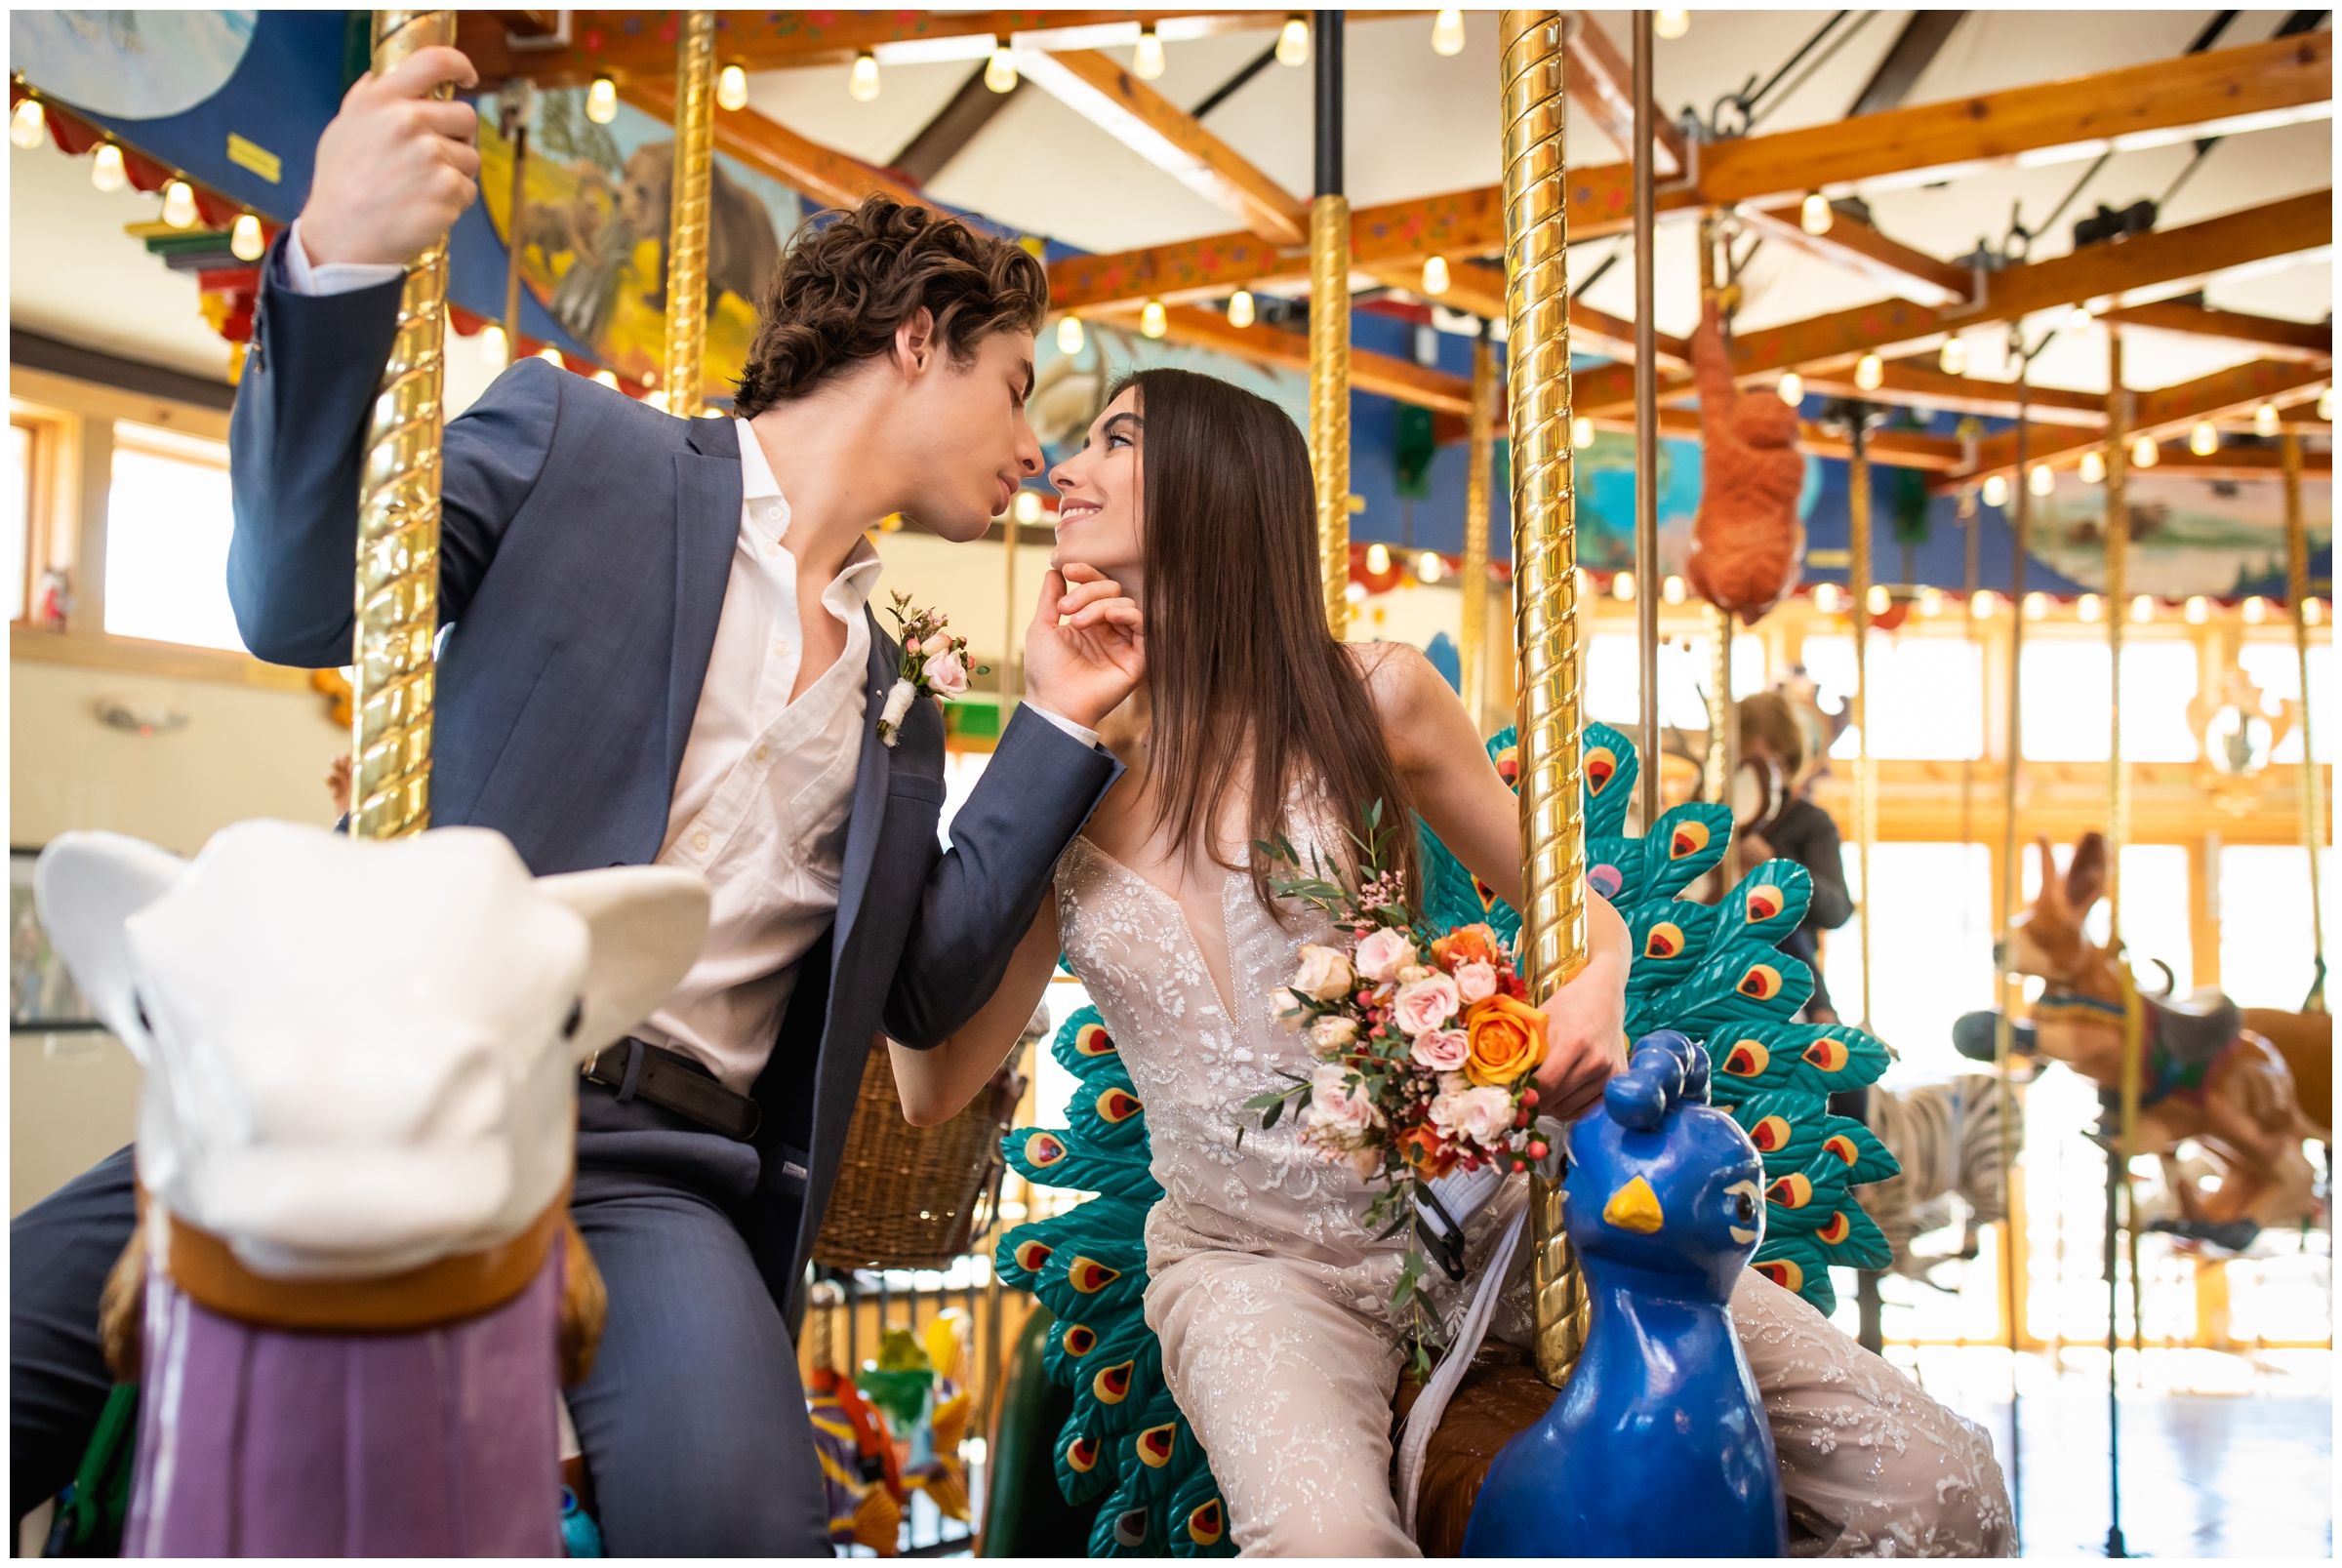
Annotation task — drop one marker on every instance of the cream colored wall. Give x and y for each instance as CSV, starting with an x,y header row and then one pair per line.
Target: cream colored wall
x,y
245,752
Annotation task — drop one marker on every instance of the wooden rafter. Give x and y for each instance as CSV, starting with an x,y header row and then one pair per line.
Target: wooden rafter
x,y
1384,373
1889,449
1853,245
773,149
2274,339
1907,385
1103,91
1601,83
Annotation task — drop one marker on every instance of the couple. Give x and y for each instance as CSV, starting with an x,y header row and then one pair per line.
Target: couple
x,y
659,650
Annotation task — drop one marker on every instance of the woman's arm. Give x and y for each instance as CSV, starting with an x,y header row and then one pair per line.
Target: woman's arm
x,y
1458,793
936,1085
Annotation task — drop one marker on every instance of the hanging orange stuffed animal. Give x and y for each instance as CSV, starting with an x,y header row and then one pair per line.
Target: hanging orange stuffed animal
x,y
1746,542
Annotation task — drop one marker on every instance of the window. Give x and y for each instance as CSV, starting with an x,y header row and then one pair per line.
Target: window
x,y
2275,669
1934,961
1927,695
2265,921
18,542
1613,684
167,527
2066,700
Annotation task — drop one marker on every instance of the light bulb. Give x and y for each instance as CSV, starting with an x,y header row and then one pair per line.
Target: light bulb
x,y
1825,597
604,378
1429,567
2144,452
2042,481
601,101
2078,319
1378,559
732,88
1355,593
2197,610
1671,590
1580,432
1293,42
1952,358
2313,612
2257,610
1931,602
1995,490
1879,601
1435,274
1792,388
1870,372
2264,419
2203,440
2325,405
494,352
656,400
1447,33
28,124
1000,71
1069,335
178,204
106,172
1151,321
863,85
245,241
1672,23
1026,507
1147,61
2142,609
2093,467
2037,607
1239,308
2089,607
1815,217
551,356
1983,603
1622,587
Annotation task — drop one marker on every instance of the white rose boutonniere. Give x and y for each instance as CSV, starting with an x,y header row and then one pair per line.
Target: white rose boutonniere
x,y
935,664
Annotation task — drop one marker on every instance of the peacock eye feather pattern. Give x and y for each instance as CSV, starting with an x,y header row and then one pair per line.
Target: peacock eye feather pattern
x,y
1715,974
1126,1441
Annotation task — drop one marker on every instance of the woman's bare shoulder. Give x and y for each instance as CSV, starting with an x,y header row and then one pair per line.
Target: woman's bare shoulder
x,y
1402,683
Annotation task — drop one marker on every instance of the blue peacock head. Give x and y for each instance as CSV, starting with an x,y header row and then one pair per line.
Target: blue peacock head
x,y
1662,1182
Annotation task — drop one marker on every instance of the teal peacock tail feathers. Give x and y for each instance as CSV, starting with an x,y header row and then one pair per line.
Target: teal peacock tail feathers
x,y
1125,1446
1715,973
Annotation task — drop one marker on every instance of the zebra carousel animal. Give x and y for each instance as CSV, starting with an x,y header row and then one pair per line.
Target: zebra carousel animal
x,y
1711,974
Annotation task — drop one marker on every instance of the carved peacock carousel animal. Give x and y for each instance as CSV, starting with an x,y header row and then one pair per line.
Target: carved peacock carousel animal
x,y
1711,973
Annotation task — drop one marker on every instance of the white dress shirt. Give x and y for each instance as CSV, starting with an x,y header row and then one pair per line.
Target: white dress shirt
x,y
766,788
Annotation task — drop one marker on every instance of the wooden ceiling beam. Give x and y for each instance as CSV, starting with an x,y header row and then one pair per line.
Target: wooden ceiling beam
x,y
1906,385
1103,91
2274,339
1600,82
1387,375
770,147
1853,245
1889,449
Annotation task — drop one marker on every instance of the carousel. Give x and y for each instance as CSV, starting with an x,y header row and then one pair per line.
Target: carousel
x,y
1923,651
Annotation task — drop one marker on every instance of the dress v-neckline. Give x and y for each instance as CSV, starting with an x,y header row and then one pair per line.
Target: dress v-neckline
x,y
1187,926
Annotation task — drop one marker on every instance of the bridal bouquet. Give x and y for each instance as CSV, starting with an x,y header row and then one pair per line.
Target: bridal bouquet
x,y
1425,1047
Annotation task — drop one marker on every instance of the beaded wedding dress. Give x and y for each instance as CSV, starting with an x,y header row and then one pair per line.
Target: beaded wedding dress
x,y
1269,1296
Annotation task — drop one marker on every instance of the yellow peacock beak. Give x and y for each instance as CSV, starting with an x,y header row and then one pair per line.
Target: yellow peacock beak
x,y
1634,1207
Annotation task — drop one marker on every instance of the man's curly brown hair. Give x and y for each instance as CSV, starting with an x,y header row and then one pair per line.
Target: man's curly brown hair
x,y
843,289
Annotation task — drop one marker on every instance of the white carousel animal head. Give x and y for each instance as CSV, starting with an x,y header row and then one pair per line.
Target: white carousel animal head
x,y
360,1057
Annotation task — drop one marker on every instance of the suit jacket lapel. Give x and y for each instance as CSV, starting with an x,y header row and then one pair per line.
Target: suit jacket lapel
x,y
869,783
707,500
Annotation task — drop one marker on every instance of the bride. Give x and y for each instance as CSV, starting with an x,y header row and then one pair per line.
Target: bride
x,y
1267,1292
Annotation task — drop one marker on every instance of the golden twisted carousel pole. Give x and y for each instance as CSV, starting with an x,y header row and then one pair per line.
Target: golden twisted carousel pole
x,y
1859,575
398,523
2312,806
1478,478
1329,328
687,219
1545,594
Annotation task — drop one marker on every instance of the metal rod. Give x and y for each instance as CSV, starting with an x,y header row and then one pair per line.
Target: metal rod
x,y
1723,721
2011,875
1646,421
1010,685
1858,536
1329,328
2312,807
513,110
1479,478
398,522
1544,593
687,221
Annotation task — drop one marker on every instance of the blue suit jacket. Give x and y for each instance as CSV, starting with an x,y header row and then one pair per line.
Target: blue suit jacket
x,y
585,547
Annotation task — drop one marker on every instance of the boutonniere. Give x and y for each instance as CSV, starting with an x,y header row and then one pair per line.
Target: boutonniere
x,y
935,664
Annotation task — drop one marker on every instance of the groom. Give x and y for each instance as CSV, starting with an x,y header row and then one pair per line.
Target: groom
x,y
658,647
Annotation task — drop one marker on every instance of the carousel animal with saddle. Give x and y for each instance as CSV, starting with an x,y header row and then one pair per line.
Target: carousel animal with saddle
x,y
2232,1080
355,1292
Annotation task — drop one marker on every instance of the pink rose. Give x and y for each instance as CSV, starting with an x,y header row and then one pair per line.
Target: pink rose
x,y
1340,1115
1425,1003
1334,1032
1482,1115
1442,1050
945,674
1475,982
1323,974
1384,952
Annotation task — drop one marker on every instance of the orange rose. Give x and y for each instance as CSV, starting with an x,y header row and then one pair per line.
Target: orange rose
x,y
1425,1152
1466,944
1508,1041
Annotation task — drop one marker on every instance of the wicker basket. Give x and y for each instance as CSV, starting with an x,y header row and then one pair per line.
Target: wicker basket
x,y
917,1197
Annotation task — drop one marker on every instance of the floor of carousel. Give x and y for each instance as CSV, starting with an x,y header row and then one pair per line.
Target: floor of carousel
x,y
2223,1453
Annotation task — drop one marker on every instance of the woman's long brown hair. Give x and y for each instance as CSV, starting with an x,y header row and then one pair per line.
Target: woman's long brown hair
x,y
1239,655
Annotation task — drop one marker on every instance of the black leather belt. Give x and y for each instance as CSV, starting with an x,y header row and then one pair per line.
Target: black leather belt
x,y
637,1068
